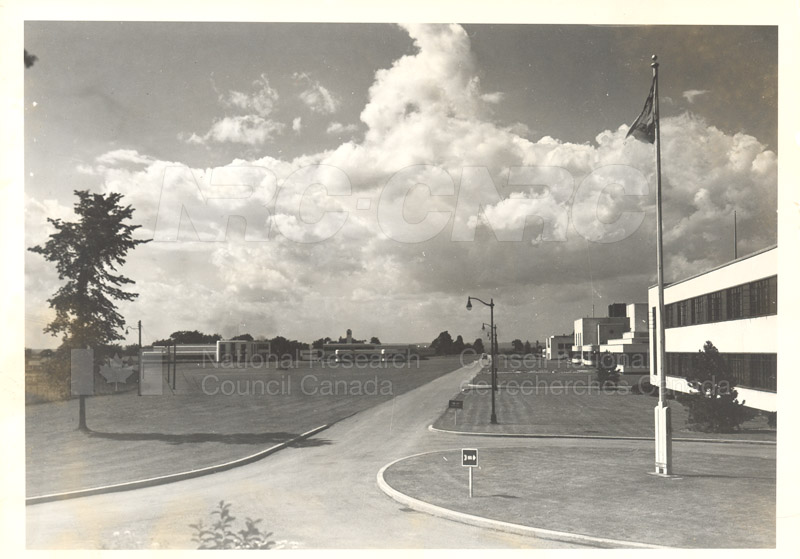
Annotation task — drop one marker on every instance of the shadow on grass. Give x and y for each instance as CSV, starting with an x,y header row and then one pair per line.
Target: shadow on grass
x,y
226,438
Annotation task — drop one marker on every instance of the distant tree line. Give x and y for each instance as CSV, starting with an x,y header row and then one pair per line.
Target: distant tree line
x,y
444,344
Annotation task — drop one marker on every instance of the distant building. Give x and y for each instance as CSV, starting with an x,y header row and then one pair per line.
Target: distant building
x,y
348,350
558,347
241,351
629,353
735,307
620,340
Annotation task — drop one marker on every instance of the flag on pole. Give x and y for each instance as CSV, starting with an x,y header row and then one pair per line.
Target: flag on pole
x,y
644,127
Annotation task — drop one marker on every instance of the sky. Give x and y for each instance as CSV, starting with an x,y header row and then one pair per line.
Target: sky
x,y
375,175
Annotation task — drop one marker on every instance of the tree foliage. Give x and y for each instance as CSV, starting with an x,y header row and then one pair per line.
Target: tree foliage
x,y
190,337
714,406
87,254
243,337
443,344
477,345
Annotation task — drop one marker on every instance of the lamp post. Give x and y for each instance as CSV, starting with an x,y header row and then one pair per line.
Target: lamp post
x,y
490,304
139,360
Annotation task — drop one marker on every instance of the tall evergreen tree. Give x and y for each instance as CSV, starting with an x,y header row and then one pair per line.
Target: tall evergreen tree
x,y
87,253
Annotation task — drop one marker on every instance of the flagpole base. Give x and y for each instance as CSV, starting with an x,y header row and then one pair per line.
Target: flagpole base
x,y
663,446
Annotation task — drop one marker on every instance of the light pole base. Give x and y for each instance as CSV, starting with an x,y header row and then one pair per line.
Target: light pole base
x,y
663,424
493,419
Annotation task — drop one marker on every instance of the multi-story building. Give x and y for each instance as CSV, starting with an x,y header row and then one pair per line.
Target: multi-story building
x,y
592,332
558,347
735,307
629,352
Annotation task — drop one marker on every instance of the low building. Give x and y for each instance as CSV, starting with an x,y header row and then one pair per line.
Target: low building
x,y
242,351
735,307
558,347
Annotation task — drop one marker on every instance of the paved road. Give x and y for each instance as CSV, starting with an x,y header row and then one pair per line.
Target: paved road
x,y
322,496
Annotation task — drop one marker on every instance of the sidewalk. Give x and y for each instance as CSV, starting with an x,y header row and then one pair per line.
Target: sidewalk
x,y
571,404
724,496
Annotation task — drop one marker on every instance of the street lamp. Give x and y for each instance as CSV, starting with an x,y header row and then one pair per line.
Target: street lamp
x,y
490,304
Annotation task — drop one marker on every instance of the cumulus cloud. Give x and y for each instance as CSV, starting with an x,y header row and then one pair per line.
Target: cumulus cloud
x,y
240,129
455,204
297,124
253,128
261,101
339,128
690,94
316,96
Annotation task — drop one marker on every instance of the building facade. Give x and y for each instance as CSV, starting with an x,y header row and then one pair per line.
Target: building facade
x,y
558,347
735,307
591,333
629,353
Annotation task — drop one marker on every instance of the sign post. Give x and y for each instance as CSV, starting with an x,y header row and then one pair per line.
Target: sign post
x,y
456,405
469,459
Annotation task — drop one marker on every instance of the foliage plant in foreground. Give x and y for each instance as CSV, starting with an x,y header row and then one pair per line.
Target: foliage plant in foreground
x,y
714,407
221,535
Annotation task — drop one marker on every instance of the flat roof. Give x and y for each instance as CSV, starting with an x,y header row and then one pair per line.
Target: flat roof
x,y
745,257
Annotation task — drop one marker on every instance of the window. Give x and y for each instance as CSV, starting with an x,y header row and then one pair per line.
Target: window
x,y
716,307
750,370
699,310
757,298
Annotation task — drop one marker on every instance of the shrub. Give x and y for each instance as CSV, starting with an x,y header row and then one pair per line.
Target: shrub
x,y
220,535
606,371
714,407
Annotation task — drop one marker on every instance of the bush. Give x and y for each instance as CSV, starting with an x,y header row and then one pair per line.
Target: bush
x,y
606,371
220,535
714,407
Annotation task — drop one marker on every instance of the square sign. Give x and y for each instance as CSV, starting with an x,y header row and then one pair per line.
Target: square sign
x,y
456,404
469,457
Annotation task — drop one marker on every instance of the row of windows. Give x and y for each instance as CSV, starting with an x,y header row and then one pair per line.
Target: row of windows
x,y
751,370
757,298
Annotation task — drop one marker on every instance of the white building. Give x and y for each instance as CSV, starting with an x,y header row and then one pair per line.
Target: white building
x,y
630,351
558,347
592,332
735,307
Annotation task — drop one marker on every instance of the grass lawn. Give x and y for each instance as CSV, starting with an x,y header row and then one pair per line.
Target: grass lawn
x,y
564,402
724,498
134,437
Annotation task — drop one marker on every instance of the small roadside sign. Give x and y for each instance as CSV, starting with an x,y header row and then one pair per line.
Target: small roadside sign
x,y
456,404
469,457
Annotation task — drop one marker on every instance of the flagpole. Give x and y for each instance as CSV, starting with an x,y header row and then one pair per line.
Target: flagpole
x,y
663,419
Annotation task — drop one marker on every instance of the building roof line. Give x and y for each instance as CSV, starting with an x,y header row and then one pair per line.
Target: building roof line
x,y
715,268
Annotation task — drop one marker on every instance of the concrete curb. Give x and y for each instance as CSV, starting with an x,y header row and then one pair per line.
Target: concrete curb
x,y
499,525
600,437
171,478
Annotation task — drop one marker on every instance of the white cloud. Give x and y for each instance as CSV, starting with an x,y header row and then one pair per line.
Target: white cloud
x,y
339,128
690,94
247,129
253,128
316,96
429,108
261,101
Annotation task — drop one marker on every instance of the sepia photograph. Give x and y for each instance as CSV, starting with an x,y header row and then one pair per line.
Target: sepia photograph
x,y
311,280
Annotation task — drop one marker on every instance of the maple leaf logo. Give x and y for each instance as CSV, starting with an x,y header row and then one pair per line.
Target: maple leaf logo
x,y
116,371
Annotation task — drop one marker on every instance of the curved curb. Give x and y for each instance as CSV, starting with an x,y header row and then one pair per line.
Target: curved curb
x,y
599,437
171,478
499,525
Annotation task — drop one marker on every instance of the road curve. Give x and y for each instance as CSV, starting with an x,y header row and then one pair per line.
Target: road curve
x,y
323,496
